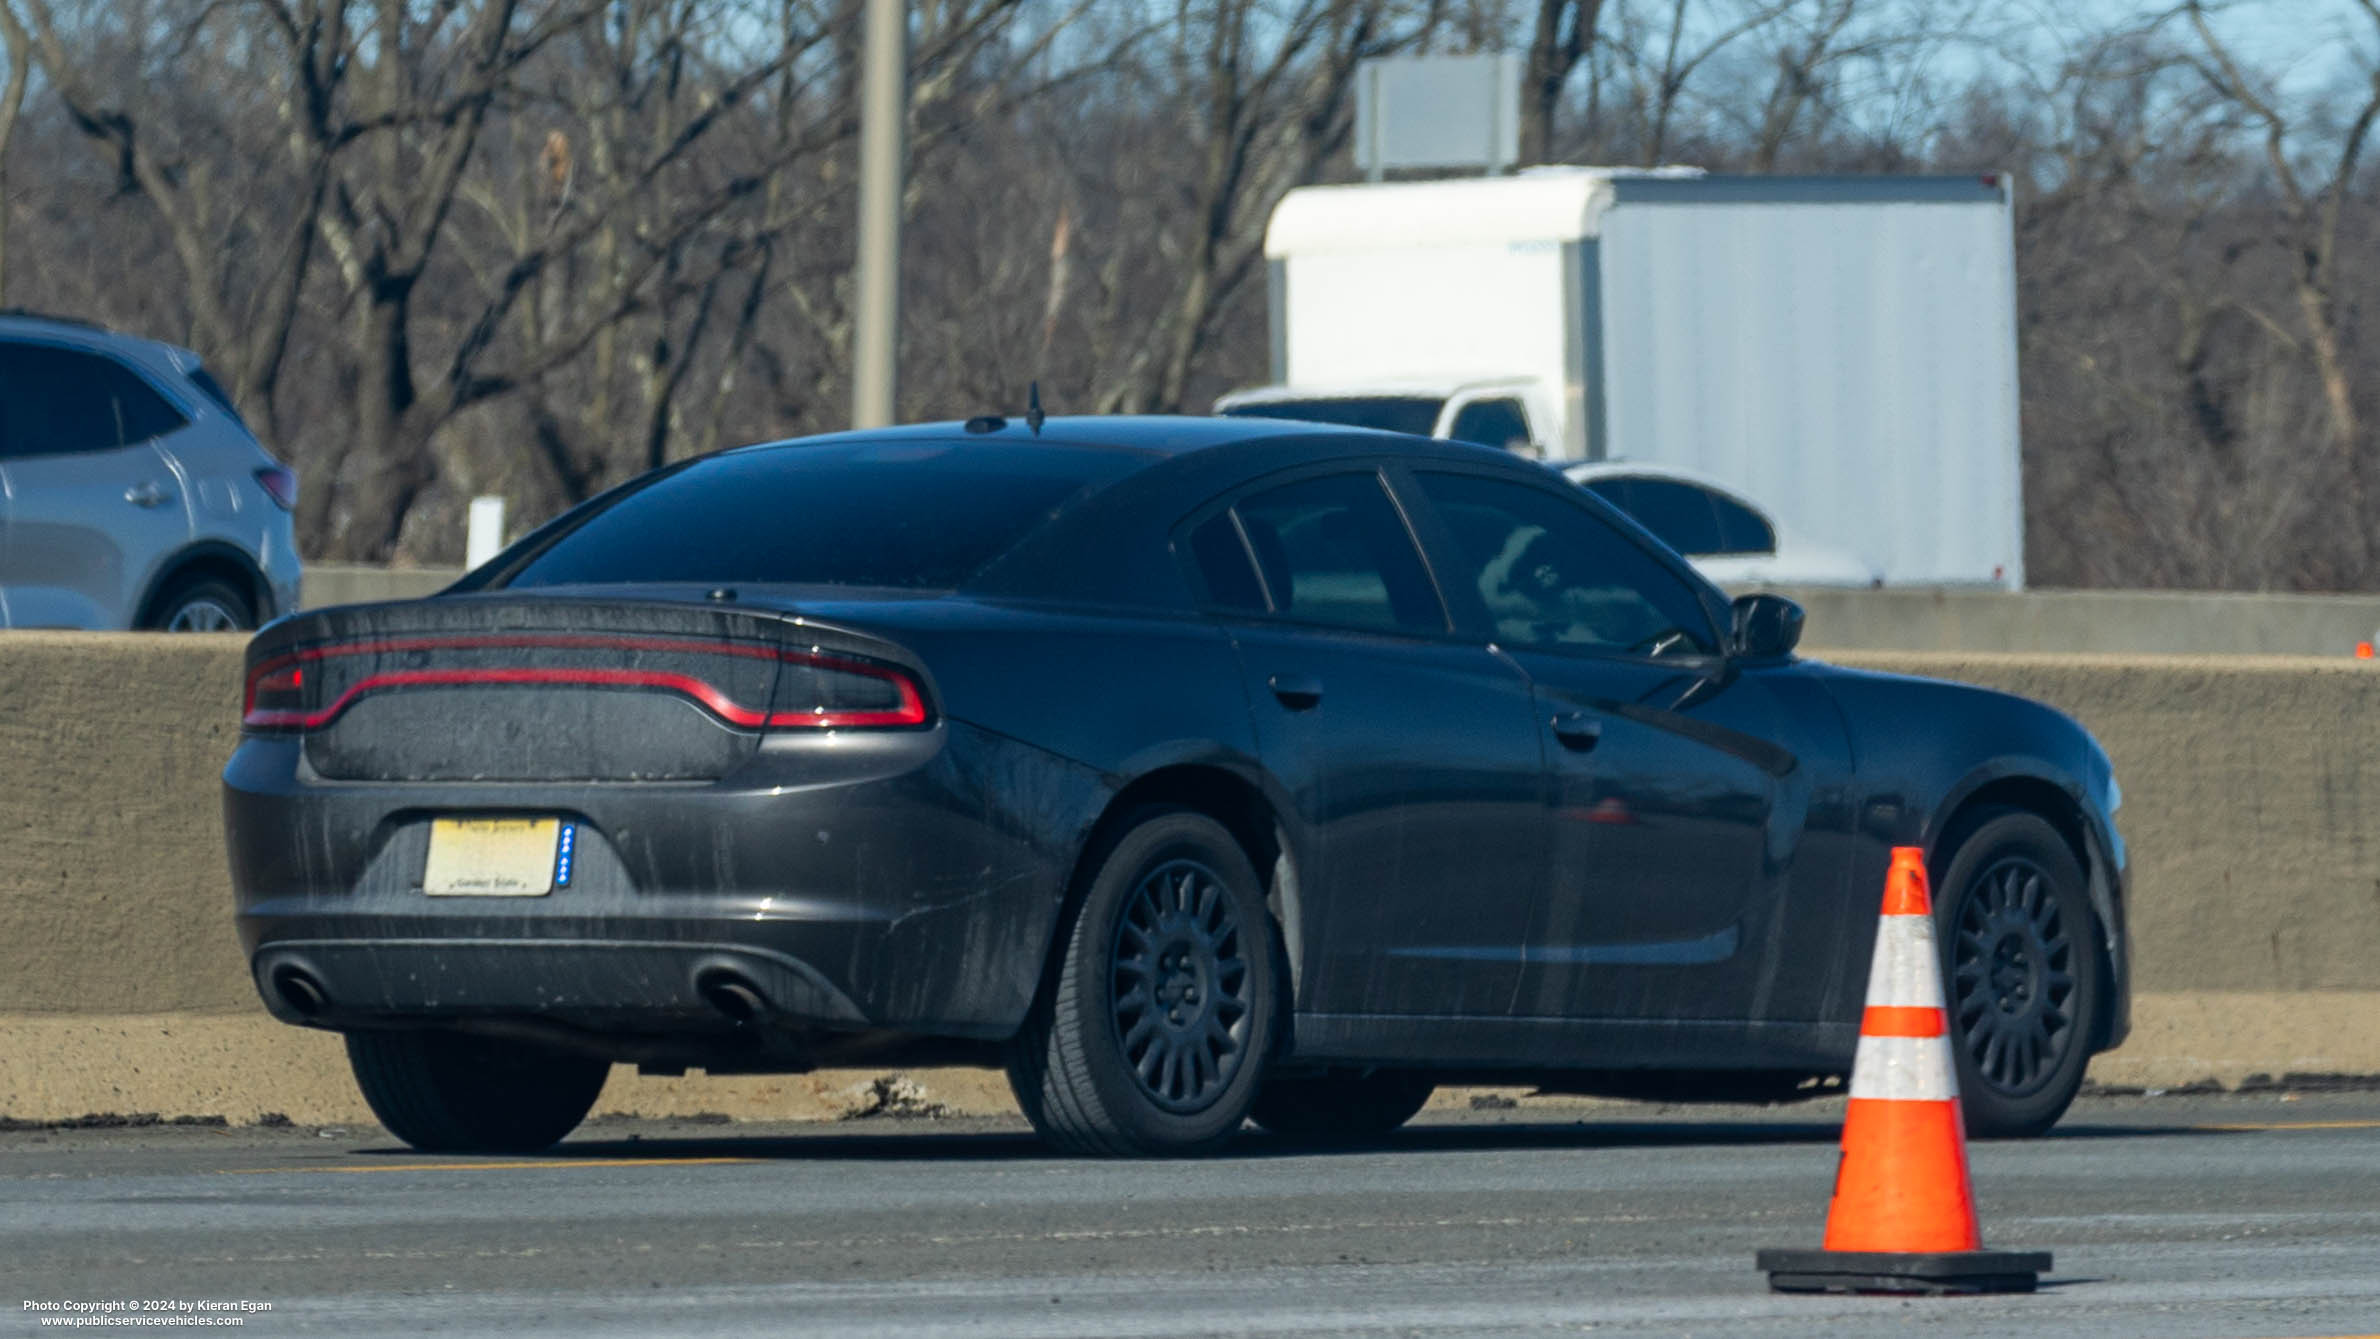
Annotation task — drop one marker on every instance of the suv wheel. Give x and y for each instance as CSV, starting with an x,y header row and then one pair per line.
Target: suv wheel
x,y
204,604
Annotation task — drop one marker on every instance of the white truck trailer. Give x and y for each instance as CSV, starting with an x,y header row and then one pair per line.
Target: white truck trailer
x,y
1841,349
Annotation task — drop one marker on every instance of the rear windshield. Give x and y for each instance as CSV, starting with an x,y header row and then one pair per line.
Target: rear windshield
x,y
910,514
1416,414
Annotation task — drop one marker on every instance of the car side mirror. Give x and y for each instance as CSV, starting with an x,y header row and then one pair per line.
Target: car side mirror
x,y
1767,627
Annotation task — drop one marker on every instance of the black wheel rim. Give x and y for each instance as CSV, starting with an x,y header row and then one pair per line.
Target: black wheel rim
x,y
1181,985
2012,977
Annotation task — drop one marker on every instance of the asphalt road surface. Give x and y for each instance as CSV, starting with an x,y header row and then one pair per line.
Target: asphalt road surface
x,y
2170,1216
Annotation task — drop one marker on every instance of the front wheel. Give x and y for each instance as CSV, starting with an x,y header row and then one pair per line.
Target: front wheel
x,y
1152,1034
445,1092
2022,973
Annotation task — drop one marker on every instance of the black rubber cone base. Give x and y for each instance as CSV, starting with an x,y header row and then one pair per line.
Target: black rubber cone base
x,y
1922,1272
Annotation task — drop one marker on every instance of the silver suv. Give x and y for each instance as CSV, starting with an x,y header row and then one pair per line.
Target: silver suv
x,y
132,495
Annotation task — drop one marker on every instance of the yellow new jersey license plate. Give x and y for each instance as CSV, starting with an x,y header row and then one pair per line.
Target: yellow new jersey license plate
x,y
493,857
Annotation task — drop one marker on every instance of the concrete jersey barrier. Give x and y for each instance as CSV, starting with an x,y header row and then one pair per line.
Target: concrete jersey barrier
x,y
1913,618
2252,788
2120,622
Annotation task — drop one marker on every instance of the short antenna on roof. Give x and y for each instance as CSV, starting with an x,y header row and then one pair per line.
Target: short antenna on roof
x,y
1033,414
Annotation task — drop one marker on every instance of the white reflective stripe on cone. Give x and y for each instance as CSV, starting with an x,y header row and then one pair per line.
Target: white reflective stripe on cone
x,y
1904,972
1904,1069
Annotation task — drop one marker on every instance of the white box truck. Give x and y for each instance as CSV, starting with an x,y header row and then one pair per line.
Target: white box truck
x,y
1841,349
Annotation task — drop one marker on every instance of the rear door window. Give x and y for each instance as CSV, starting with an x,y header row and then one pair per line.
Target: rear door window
x,y
141,414
61,401
1226,573
1334,550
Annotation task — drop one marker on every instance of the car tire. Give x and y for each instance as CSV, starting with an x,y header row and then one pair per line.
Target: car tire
x,y
204,604
1340,1109
1150,1037
444,1092
2021,972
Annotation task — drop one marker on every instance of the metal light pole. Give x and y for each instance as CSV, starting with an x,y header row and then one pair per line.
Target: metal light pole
x,y
884,105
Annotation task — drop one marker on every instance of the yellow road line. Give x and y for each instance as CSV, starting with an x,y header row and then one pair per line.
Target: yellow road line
x,y
2299,1125
550,1165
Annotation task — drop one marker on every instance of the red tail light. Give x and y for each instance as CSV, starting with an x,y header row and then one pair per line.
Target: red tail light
x,y
280,483
276,692
819,691
815,689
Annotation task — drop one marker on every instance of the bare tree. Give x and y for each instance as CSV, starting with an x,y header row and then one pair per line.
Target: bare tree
x,y
1263,101
2315,186
242,301
12,104
1564,35
537,246
1665,58
1801,63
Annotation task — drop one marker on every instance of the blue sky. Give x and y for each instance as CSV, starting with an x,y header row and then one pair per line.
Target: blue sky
x,y
2311,42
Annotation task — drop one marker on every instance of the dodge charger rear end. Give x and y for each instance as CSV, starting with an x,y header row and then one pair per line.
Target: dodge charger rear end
x,y
1194,770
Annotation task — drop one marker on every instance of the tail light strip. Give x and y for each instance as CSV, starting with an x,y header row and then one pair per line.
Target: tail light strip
x,y
910,711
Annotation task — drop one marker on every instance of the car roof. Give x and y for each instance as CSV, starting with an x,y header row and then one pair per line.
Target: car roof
x,y
1188,463
1175,468
1416,388
17,323
1155,435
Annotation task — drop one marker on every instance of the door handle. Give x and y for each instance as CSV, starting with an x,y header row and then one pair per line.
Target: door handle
x,y
1578,731
1298,692
146,493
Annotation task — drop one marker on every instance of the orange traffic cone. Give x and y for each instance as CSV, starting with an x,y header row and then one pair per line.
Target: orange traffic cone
x,y
1903,1217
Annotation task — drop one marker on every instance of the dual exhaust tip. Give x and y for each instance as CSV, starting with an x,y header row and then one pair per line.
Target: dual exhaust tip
x,y
299,991
725,989
732,993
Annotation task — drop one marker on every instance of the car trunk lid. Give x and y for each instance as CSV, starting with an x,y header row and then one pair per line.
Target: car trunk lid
x,y
491,688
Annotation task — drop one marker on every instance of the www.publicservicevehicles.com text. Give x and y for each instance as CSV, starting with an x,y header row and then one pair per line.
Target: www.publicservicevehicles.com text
x,y
175,1312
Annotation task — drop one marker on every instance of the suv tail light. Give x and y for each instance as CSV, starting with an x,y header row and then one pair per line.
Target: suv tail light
x,y
280,483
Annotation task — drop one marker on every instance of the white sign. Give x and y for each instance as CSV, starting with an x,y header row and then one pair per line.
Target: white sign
x,y
1438,111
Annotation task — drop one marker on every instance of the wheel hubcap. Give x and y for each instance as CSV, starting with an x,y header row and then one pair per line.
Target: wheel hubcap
x,y
1182,1012
202,616
2012,976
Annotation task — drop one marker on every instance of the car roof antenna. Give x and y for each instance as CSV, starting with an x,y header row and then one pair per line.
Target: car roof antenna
x,y
1033,414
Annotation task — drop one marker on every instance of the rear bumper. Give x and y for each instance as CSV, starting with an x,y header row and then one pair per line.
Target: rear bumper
x,y
870,881
598,985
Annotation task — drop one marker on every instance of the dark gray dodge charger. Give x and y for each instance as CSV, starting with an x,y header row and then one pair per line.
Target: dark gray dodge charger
x,y
1198,770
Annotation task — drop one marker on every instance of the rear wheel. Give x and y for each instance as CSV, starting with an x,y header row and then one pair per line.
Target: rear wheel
x,y
444,1092
205,604
2022,973
1340,1110
1153,1032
